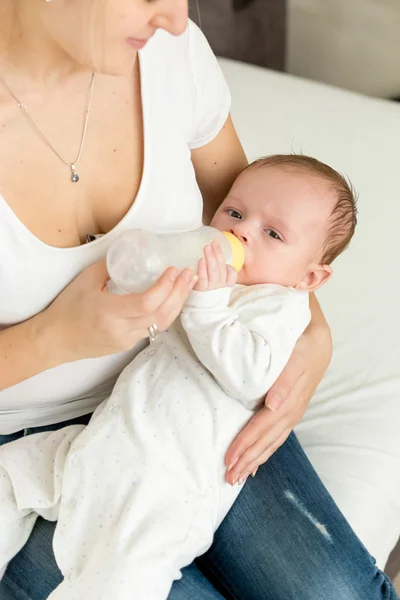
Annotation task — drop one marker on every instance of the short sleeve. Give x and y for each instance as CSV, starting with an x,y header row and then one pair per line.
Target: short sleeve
x,y
212,96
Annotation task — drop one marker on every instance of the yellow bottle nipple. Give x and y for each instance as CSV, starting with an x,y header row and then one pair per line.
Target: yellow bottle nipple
x,y
237,250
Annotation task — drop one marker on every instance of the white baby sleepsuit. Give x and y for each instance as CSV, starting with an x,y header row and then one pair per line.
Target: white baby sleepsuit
x,y
140,492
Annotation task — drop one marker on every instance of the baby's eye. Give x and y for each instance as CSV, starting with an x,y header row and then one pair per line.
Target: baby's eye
x,y
234,213
273,234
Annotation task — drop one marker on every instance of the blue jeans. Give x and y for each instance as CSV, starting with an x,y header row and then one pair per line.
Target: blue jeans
x,y
284,539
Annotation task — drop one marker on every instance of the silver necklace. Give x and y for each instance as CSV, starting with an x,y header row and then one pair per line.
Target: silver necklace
x,y
72,166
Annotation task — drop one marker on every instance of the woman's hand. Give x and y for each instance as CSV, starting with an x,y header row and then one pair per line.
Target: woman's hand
x,y
285,405
85,321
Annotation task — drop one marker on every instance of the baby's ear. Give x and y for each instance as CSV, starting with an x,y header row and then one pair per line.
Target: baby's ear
x,y
316,276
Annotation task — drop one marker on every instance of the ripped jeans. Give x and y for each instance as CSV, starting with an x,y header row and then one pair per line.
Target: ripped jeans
x,y
284,539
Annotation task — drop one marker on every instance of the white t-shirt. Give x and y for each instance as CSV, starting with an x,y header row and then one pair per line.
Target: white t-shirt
x,y
185,104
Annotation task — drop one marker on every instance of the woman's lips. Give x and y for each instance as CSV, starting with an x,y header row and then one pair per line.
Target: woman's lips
x,y
136,43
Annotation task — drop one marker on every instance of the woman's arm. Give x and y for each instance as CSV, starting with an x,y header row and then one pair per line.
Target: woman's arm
x,y
286,402
25,350
217,165
85,321
318,334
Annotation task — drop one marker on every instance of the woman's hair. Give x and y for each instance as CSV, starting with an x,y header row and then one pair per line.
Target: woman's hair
x,y
343,219
9,27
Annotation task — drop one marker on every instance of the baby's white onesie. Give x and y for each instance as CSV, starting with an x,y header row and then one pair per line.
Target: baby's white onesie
x,y
140,491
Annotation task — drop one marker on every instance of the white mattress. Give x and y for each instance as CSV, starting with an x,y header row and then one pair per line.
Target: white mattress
x,y
351,431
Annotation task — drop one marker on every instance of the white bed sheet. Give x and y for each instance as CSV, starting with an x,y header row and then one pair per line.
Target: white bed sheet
x,y
351,431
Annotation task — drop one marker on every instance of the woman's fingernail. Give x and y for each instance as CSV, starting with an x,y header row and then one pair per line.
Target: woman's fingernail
x,y
254,472
274,403
233,463
174,274
243,478
235,479
193,282
189,276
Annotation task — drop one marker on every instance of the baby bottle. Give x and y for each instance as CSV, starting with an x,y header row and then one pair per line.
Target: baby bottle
x,y
137,258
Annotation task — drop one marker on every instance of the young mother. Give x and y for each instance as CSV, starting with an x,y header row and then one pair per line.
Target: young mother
x,y
95,140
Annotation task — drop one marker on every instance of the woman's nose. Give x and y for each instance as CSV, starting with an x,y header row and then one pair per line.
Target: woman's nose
x,y
171,15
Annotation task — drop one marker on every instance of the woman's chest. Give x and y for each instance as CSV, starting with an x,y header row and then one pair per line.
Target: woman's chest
x,y
124,151
36,149
132,174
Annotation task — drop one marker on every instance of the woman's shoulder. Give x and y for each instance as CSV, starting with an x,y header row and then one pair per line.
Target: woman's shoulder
x,y
185,75
182,48
179,59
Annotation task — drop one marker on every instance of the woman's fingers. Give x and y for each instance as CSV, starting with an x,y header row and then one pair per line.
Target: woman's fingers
x,y
166,313
257,454
249,435
130,306
159,305
250,468
263,435
170,308
172,282
259,439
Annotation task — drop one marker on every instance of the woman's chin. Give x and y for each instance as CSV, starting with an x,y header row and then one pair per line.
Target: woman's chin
x,y
120,65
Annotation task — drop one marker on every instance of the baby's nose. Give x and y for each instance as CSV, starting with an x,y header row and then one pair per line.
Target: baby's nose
x,y
242,233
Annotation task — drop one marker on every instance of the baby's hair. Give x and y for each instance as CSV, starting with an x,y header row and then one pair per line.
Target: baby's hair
x,y
343,219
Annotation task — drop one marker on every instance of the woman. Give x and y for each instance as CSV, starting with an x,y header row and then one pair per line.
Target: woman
x,y
95,141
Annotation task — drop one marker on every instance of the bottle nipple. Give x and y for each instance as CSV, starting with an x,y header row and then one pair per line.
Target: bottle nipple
x,y
237,250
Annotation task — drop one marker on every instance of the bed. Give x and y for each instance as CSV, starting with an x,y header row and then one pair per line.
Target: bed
x,y
351,430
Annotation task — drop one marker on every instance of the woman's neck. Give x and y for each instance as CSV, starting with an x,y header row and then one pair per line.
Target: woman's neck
x,y
27,48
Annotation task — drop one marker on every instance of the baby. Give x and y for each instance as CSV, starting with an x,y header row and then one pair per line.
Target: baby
x,y
140,491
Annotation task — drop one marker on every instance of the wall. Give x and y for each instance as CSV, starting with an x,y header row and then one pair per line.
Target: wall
x,y
247,30
354,44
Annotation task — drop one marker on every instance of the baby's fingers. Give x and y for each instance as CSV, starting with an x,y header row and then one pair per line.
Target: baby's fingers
x,y
212,267
231,276
202,282
221,262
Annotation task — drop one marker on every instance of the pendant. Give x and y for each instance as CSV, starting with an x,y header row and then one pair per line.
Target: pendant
x,y
74,174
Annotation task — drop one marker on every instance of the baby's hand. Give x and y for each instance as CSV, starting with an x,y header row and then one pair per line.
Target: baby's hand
x,y
213,272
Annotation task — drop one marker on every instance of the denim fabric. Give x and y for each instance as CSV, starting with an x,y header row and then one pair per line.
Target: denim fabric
x,y
284,539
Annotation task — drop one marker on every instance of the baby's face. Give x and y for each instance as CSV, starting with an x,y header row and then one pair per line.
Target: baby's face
x,y
281,217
